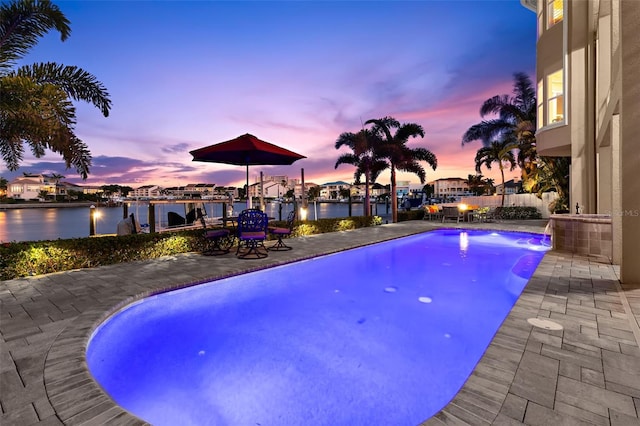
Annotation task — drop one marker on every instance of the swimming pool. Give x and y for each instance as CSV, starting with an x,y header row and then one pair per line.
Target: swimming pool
x,y
384,334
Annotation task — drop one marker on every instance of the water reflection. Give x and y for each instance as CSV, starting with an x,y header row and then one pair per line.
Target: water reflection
x,y
464,243
73,222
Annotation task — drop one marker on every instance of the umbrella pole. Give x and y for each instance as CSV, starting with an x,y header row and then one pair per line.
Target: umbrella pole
x,y
248,193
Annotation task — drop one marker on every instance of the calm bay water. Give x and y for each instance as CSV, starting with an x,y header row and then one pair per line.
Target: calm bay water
x,y
73,222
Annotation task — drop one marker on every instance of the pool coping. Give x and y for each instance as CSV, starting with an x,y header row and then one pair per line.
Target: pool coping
x,y
512,383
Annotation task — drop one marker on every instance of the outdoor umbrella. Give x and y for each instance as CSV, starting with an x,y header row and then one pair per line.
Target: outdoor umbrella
x,y
246,150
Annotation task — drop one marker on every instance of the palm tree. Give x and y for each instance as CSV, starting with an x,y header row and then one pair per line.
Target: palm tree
x,y
35,100
516,115
4,183
313,193
489,186
517,118
394,148
476,184
500,152
364,157
56,179
551,173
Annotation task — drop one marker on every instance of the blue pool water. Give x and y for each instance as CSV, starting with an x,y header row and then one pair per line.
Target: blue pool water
x,y
384,334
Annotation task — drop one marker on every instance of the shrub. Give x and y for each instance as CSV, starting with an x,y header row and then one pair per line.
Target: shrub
x,y
517,213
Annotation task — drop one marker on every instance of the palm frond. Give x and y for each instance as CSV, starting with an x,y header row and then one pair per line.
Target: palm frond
x,y
345,139
415,168
407,131
423,154
22,23
494,105
525,94
347,158
11,149
76,82
485,131
377,168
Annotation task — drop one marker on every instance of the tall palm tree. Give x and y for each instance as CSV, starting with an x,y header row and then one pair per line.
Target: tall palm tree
x,y
501,152
394,148
364,158
35,100
517,119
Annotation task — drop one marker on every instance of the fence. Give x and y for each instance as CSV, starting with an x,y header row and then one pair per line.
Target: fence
x,y
514,200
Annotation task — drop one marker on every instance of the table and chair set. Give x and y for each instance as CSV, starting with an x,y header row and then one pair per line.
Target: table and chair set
x,y
249,230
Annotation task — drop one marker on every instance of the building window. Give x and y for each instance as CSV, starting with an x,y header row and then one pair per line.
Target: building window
x,y
555,12
555,103
16,189
540,100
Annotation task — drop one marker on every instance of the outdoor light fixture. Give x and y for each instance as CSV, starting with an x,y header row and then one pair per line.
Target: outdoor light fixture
x,y
93,216
462,207
303,213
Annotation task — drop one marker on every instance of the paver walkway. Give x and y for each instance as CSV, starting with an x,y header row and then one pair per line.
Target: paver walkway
x,y
586,373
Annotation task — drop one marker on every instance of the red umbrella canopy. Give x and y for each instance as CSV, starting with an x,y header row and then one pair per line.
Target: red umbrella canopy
x,y
246,150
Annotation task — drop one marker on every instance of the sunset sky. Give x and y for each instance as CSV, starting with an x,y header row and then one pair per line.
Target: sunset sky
x,y
187,74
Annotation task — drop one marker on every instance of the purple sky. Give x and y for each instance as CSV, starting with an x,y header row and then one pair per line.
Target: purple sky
x,y
187,74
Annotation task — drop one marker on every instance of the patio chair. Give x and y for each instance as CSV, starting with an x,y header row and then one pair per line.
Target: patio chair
x,y
281,233
432,212
449,212
252,231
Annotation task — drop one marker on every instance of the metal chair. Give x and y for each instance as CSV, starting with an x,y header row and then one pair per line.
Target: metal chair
x,y
252,231
281,233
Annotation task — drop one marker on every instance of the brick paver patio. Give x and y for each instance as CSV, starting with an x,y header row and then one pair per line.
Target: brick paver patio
x,y
586,373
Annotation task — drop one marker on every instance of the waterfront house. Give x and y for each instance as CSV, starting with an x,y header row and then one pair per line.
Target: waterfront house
x,y
450,188
331,190
29,186
146,191
510,187
378,190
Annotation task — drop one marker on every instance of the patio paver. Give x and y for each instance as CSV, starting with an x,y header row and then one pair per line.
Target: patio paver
x,y
587,373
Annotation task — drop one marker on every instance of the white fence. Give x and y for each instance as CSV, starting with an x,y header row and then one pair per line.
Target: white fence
x,y
514,200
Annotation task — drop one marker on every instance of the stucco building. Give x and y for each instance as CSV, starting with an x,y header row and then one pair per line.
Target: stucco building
x,y
29,186
588,93
446,188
